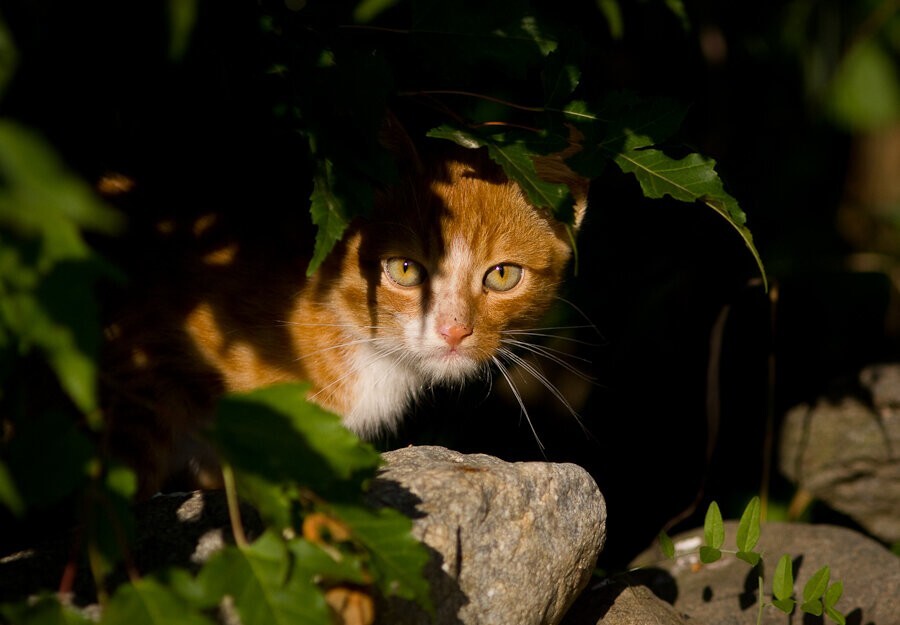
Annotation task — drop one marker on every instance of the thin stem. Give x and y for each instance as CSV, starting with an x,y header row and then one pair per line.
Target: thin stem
x,y
470,94
234,509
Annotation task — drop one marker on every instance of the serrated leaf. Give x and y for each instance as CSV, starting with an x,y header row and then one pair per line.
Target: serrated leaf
x,y
516,159
817,584
45,610
785,605
713,527
147,602
708,554
750,557
632,131
666,545
397,558
813,606
783,579
265,591
749,529
328,214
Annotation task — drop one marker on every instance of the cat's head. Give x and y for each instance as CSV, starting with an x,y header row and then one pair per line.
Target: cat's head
x,y
453,259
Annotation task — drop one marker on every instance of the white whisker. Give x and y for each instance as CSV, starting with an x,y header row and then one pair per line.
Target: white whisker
x,y
551,354
540,377
515,392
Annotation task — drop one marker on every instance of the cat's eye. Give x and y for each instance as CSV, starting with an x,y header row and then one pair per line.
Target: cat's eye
x,y
503,277
404,271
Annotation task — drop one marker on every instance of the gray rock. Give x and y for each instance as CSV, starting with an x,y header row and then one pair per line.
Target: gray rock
x,y
847,452
611,602
725,592
513,543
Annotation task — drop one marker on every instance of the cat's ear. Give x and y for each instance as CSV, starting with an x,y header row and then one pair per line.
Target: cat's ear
x,y
394,138
553,168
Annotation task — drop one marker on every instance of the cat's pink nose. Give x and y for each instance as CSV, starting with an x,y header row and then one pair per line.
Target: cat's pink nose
x,y
454,333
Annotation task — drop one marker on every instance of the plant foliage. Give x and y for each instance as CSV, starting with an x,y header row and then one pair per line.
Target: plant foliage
x,y
818,596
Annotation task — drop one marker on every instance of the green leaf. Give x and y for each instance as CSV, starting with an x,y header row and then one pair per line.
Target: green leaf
x,y
59,469
276,434
182,18
817,584
631,129
46,268
560,77
713,527
864,93
837,617
317,564
749,529
147,602
833,594
785,605
612,13
708,554
517,160
397,558
9,494
750,557
45,610
367,10
783,579
263,585
813,606
666,545
8,56
328,214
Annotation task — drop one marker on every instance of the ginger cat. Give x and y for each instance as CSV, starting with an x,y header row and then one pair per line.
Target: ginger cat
x,y
419,294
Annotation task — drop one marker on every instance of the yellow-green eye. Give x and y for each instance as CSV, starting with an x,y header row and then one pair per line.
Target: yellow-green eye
x,y
404,271
503,277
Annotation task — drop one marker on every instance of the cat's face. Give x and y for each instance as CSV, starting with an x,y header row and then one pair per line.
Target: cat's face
x,y
446,268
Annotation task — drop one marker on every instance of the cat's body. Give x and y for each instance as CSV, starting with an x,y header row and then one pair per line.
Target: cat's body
x,y
418,295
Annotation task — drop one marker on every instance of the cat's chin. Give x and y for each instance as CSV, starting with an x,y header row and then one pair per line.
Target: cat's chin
x,y
449,367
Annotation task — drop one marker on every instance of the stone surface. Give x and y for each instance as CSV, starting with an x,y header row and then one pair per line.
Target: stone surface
x,y
513,543
725,592
846,452
619,603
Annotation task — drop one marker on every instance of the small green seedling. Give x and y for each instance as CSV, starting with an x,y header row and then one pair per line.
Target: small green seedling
x,y
818,596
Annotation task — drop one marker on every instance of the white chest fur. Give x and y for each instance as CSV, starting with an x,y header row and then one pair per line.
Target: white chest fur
x,y
383,390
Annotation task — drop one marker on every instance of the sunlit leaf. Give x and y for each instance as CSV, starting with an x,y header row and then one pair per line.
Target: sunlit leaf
x,y
783,579
708,554
517,161
750,557
397,558
749,527
785,605
713,527
275,433
666,545
832,596
264,587
812,606
817,584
